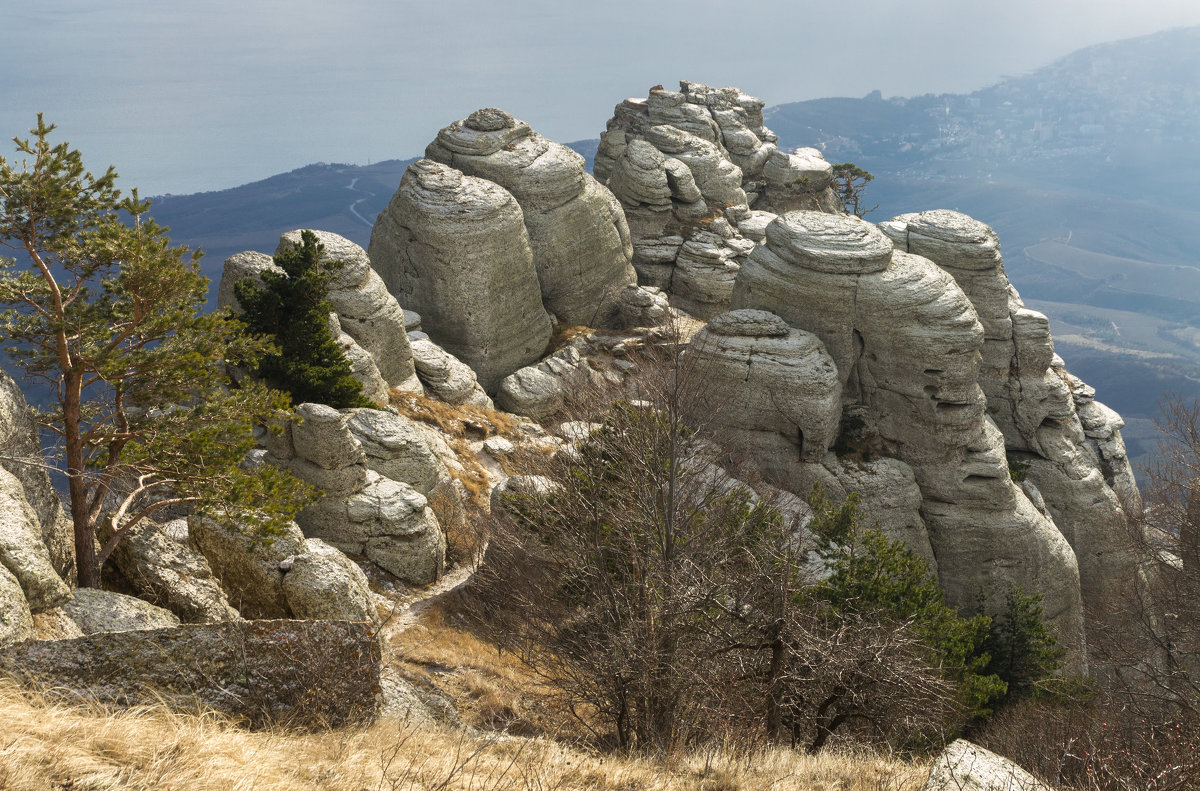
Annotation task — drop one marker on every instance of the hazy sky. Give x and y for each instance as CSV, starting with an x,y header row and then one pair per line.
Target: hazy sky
x,y
187,95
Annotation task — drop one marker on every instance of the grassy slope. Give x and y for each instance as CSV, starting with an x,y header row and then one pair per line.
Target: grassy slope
x,y
45,746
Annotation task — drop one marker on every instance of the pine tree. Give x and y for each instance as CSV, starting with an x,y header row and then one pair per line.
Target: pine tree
x,y
107,313
293,307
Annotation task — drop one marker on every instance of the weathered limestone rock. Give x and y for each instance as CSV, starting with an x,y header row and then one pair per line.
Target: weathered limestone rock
x,y
577,231
538,391
96,611
799,180
171,575
22,550
55,624
16,622
21,455
446,377
964,766
907,341
889,499
388,522
366,311
247,566
688,167
397,449
1049,419
367,321
774,388
447,246
364,513
322,583
531,392
285,575
307,673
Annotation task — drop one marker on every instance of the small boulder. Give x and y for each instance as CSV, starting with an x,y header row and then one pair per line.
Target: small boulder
x,y
96,611
964,766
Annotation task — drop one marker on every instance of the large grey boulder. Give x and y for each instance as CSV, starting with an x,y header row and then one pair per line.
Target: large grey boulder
x,y
454,248
170,574
964,766
906,341
362,512
21,455
284,575
577,230
22,550
773,388
95,611
302,673
396,448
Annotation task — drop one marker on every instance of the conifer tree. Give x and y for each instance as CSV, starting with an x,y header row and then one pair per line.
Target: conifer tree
x,y
103,310
293,307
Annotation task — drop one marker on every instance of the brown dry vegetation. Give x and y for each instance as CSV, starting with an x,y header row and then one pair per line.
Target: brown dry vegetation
x,y
45,746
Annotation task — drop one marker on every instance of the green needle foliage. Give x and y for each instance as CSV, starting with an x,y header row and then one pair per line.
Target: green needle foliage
x,y
874,574
849,182
293,307
108,314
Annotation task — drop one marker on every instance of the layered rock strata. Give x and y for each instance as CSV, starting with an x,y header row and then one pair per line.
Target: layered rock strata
x,y
448,246
1070,443
906,341
689,167
577,231
362,512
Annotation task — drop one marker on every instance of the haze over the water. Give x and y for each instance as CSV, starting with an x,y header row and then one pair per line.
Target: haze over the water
x,y
188,96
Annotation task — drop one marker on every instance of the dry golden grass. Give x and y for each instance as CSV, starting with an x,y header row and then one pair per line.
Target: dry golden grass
x,y
45,747
453,420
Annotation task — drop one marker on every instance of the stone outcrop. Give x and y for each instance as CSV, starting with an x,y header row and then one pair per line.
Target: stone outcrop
x,y
362,512
689,167
454,248
302,673
964,766
21,456
1070,443
284,575
906,341
397,448
97,611
170,574
23,552
577,230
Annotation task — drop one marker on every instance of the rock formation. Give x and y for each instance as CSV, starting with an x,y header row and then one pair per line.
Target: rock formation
x,y
361,513
690,168
577,231
169,573
448,246
1050,420
906,341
